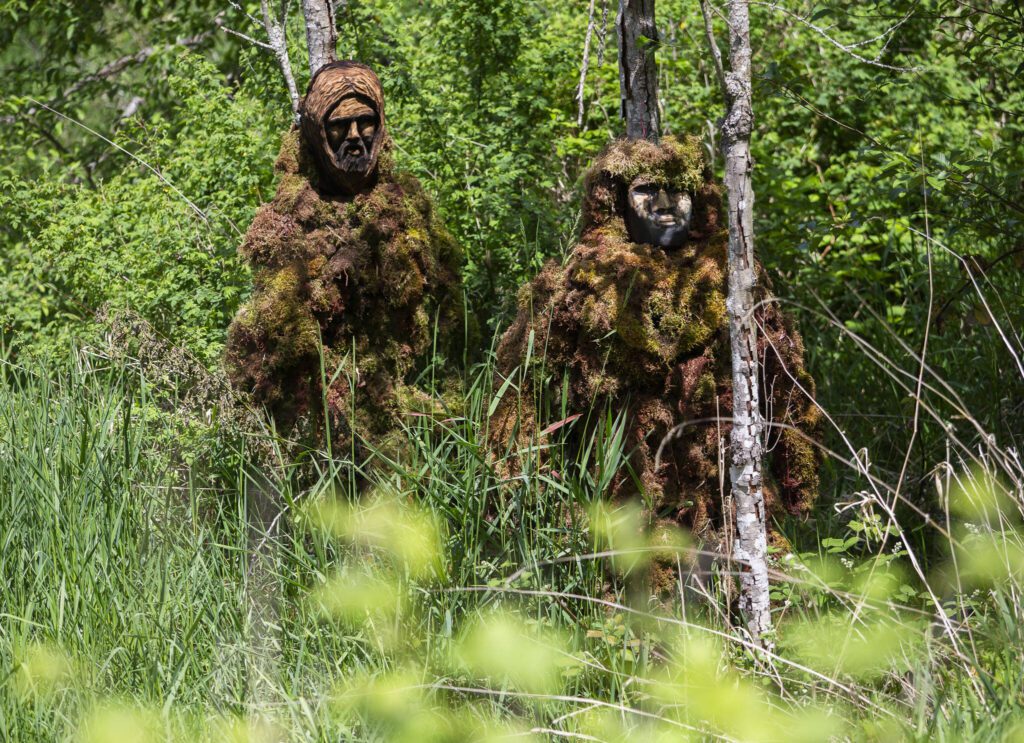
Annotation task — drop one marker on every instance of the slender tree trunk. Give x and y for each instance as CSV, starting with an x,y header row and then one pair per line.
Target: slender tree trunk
x,y
638,72
750,543
750,547
586,63
321,37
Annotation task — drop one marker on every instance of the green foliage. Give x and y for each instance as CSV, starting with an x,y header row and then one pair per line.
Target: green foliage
x,y
159,237
454,607
863,172
888,212
884,192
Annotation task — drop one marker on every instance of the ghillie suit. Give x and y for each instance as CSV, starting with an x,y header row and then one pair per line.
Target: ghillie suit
x,y
348,256
643,332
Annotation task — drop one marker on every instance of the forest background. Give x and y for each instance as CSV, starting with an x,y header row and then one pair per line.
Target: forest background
x,y
138,140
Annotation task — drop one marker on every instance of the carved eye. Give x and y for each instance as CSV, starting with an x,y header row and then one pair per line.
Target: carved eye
x,y
367,125
335,135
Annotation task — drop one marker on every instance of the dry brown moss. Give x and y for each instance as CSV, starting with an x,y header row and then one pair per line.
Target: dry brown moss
x,y
369,278
637,328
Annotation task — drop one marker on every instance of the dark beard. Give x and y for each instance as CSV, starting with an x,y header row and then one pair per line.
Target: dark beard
x,y
353,164
348,173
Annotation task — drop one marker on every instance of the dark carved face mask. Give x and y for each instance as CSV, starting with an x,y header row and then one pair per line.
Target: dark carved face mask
x,y
350,132
658,215
342,122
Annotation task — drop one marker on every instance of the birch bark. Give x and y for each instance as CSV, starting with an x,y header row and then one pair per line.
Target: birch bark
x,y
750,542
750,547
321,37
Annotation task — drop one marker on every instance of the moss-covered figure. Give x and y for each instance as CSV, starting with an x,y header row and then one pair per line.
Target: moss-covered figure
x,y
644,330
349,256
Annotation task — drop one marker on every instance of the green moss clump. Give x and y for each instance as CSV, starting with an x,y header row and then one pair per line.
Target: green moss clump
x,y
645,330
672,163
357,283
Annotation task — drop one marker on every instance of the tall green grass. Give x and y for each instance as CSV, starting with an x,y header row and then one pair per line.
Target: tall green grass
x,y
440,602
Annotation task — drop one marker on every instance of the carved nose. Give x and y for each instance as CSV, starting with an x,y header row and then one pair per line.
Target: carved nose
x,y
353,131
662,202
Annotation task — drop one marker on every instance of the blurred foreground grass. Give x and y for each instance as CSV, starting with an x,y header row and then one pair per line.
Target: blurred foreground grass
x,y
445,605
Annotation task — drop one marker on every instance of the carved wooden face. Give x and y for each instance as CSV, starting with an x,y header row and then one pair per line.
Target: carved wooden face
x,y
342,122
350,131
658,215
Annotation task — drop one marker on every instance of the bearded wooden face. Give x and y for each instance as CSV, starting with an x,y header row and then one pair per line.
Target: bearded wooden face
x,y
350,133
658,215
342,122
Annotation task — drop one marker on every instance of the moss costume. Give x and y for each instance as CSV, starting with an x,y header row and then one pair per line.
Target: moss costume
x,y
644,330
355,262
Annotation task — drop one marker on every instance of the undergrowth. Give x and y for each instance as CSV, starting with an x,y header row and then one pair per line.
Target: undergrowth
x,y
418,596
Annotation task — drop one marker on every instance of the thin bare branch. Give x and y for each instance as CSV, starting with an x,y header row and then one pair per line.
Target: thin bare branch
x,y
763,653
112,69
199,212
277,36
585,66
576,700
249,39
846,48
1009,346
716,53
252,19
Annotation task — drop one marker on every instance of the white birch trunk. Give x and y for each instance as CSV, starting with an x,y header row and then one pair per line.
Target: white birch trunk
x,y
750,543
321,37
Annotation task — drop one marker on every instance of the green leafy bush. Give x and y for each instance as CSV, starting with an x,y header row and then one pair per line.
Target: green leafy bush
x,y
158,237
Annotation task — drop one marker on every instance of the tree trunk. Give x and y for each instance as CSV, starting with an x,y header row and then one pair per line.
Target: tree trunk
x,y
750,546
638,72
321,38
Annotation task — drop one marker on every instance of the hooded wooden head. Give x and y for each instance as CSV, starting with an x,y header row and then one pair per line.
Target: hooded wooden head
x,y
658,194
342,123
